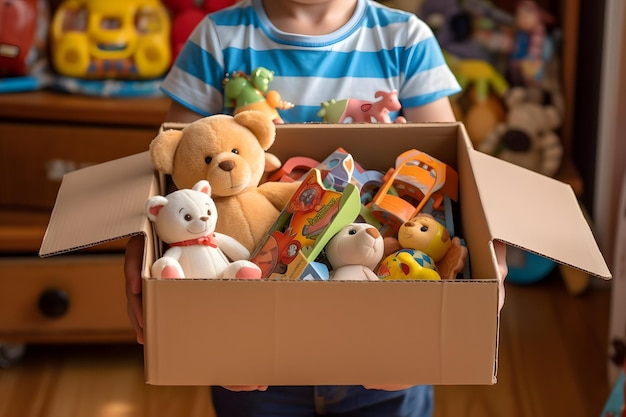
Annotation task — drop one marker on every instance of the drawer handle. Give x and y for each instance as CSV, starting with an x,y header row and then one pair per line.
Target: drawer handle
x,y
53,302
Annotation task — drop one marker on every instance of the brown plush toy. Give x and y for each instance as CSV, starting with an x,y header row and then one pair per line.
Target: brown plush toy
x,y
528,136
229,152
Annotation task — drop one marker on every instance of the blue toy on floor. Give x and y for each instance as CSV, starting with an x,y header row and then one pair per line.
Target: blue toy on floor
x,y
526,267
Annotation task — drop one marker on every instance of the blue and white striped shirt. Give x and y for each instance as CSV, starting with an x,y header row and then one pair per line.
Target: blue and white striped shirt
x,y
379,48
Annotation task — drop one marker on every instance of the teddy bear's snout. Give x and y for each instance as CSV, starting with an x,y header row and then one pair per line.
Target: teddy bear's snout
x,y
373,232
516,140
227,165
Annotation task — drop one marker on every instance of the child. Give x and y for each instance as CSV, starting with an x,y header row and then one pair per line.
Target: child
x,y
318,50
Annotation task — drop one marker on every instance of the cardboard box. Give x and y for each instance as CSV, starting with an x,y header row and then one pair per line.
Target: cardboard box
x,y
228,332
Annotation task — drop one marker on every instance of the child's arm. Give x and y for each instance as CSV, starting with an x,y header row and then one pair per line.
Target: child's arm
x,y
436,111
177,113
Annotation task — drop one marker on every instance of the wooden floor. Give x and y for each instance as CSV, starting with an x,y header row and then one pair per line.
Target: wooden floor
x,y
552,363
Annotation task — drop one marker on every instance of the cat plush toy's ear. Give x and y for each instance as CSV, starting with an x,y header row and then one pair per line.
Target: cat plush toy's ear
x,y
154,205
203,186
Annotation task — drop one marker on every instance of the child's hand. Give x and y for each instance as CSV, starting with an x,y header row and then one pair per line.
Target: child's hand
x,y
132,271
246,387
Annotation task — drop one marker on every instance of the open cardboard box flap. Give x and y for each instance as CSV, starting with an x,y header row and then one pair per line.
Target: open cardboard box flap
x,y
522,208
101,203
536,213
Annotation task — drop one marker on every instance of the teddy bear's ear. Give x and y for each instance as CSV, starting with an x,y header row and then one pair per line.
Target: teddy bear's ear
x,y
203,186
154,206
163,148
260,125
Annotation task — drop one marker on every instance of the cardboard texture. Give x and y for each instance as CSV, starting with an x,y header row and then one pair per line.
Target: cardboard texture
x,y
228,332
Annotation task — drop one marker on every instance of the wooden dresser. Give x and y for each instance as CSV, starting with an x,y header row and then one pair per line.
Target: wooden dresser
x,y
67,298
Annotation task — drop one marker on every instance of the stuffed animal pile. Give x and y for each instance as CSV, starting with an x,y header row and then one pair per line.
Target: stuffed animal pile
x,y
217,165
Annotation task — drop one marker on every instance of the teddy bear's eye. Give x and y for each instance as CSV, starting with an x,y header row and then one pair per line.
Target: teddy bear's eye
x,y
208,212
208,160
188,217
235,151
352,232
424,229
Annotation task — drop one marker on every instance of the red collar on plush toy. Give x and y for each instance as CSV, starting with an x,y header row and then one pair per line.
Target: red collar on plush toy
x,y
208,240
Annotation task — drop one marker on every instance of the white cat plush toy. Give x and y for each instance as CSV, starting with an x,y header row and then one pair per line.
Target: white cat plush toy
x,y
185,220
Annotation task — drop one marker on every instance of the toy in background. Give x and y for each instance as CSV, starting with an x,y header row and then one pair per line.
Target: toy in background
x,y
418,182
24,26
111,39
616,404
243,92
351,110
186,14
426,251
479,105
528,136
229,152
185,219
492,28
532,44
474,60
471,29
354,252
453,27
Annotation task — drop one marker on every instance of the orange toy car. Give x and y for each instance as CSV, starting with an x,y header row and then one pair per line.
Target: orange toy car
x,y
416,179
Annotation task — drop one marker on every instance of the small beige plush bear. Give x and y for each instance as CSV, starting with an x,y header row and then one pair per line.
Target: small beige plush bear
x,y
354,252
185,219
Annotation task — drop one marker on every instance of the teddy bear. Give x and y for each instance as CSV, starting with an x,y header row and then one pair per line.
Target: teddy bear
x,y
185,219
229,152
423,250
527,137
354,252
